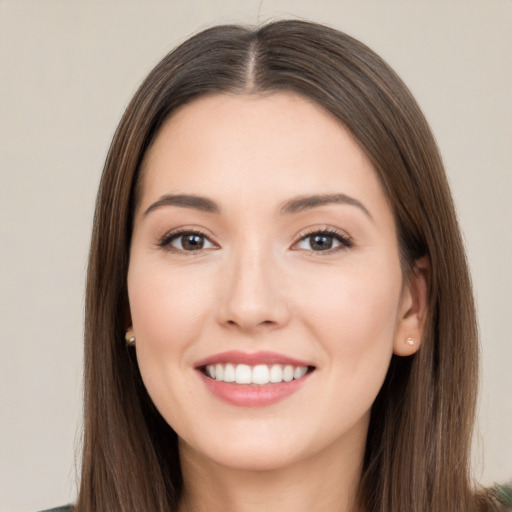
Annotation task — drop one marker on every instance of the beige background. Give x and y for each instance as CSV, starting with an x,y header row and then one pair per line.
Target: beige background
x,y
67,70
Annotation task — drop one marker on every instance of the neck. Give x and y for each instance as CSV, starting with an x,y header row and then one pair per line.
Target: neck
x,y
325,482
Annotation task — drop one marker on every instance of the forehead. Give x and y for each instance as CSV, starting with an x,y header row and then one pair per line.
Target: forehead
x,y
255,148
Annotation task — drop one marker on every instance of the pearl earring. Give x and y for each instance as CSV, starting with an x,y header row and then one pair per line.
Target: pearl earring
x,y
130,339
410,341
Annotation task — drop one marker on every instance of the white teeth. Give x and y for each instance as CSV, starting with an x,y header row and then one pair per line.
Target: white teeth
x,y
260,374
299,372
288,373
229,373
243,374
276,373
219,372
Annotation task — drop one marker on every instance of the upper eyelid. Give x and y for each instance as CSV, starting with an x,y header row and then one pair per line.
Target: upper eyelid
x,y
187,229
305,233
323,230
176,233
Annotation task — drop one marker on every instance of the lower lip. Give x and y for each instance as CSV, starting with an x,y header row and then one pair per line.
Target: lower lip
x,y
250,395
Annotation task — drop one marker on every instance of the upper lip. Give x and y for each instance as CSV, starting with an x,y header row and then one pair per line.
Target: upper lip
x,y
251,359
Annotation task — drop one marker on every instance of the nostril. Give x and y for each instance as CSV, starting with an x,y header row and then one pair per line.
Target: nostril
x,y
241,323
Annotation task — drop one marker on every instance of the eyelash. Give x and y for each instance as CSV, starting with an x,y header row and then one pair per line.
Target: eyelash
x,y
165,241
344,241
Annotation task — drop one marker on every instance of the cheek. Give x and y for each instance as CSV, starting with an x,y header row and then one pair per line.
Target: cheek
x,y
168,311
355,322
167,306
355,300
355,316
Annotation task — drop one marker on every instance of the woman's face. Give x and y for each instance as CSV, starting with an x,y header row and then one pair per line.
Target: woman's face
x,y
265,251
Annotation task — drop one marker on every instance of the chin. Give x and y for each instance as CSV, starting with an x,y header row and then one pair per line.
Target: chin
x,y
242,454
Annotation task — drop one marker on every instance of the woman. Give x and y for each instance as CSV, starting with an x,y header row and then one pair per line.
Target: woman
x,y
276,242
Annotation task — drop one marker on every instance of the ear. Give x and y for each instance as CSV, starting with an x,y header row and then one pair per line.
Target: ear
x,y
127,320
129,334
413,310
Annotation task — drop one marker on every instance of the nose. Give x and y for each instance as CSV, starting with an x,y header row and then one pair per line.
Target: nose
x,y
252,297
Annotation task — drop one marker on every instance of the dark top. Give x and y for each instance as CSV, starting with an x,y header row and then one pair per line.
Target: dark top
x,y
66,508
500,496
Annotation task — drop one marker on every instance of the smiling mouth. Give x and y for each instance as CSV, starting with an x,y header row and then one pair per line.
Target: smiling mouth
x,y
257,375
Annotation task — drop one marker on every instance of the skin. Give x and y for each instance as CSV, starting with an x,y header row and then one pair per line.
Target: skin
x,y
259,284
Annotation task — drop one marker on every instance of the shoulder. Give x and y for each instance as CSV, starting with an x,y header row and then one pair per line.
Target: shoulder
x,y
65,508
498,498
504,495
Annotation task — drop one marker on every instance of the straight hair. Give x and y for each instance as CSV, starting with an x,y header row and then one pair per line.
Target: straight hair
x,y
418,444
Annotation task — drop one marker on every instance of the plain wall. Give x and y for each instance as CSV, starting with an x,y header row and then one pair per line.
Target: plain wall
x,y
67,71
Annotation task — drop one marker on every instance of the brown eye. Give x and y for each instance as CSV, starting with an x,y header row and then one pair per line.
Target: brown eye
x,y
186,241
192,242
323,241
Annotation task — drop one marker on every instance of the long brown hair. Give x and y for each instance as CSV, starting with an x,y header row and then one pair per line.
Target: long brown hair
x,y
418,442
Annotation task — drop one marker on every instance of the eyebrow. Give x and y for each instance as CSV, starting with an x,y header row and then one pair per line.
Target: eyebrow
x,y
307,203
185,201
291,206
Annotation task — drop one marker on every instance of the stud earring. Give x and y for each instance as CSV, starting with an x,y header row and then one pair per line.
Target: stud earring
x,y
410,341
130,339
